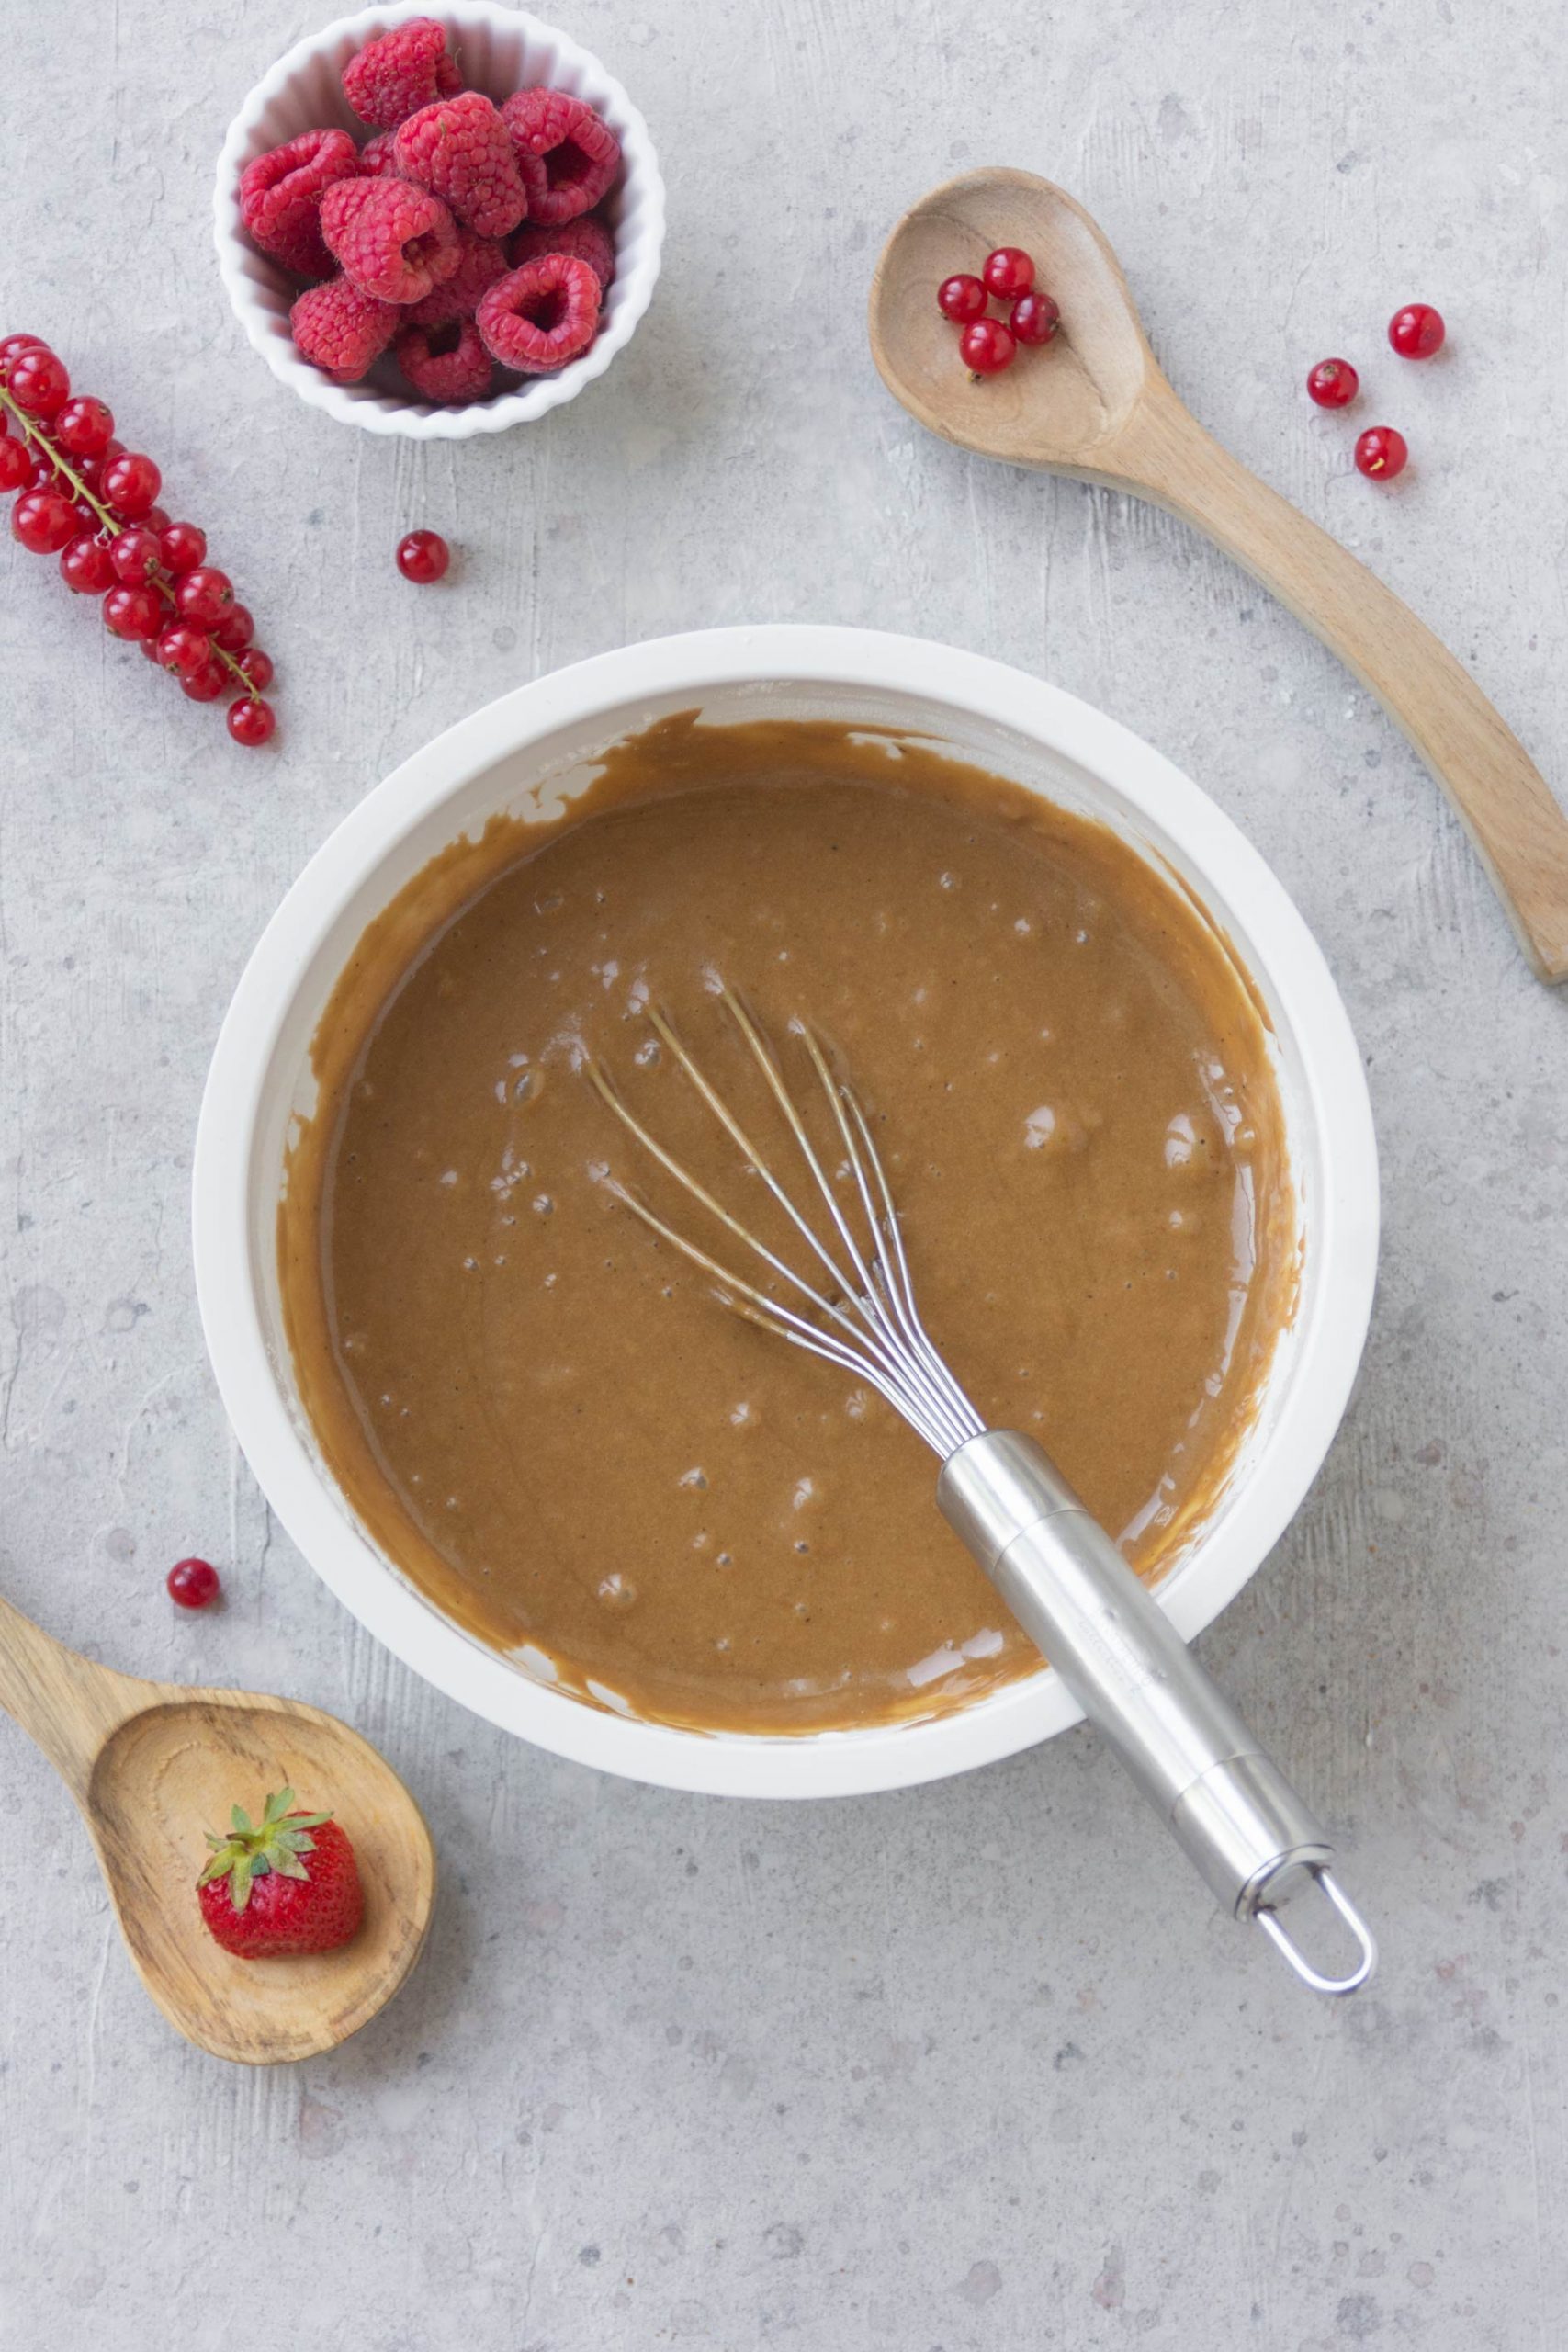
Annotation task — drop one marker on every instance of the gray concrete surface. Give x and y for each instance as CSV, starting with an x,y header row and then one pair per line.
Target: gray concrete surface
x,y
973,2068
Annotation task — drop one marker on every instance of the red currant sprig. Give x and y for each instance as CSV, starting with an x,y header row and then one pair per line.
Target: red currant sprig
x,y
92,502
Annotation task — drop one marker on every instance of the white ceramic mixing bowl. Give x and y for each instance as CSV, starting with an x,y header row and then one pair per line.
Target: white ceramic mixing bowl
x,y
1004,721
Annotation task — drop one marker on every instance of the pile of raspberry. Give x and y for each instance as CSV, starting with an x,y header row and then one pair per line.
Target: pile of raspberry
x,y
463,237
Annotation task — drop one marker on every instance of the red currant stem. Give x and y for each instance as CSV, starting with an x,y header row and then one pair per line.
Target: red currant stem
x,y
110,522
35,433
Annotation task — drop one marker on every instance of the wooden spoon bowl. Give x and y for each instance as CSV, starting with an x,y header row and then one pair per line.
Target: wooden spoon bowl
x,y
1059,408
152,1767
1093,404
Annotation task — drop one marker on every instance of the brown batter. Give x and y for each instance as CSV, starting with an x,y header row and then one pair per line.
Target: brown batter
x,y
539,1411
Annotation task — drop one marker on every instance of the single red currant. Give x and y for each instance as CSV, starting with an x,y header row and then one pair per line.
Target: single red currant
x,y
85,565
193,1583
38,382
183,547
208,682
12,348
43,522
1417,331
15,465
422,557
91,469
156,519
987,347
1009,272
235,630
252,722
84,428
184,649
256,667
961,298
1036,318
135,613
205,596
1380,453
129,484
136,556
1333,383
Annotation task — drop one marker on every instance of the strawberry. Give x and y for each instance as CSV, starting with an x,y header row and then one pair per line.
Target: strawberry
x,y
259,1898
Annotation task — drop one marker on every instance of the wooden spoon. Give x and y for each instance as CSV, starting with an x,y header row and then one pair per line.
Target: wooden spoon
x,y
1095,405
153,1766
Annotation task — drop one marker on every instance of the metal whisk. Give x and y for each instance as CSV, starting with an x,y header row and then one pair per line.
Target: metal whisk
x,y
1226,1802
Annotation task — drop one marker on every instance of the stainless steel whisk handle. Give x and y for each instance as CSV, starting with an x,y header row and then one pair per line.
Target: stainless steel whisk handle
x,y
1223,1798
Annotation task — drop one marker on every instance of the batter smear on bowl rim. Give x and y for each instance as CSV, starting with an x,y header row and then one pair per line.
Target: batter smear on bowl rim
x,y
538,1412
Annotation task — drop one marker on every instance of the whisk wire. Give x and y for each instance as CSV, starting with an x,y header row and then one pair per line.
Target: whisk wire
x,y
863,1356
666,1031
887,1284
779,1320
969,1421
699,1191
885,1343
878,1288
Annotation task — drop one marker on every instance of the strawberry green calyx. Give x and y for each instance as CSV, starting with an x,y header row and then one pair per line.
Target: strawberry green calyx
x,y
250,1852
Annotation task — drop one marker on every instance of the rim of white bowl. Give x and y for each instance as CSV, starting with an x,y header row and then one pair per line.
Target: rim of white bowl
x,y
1282,956
371,410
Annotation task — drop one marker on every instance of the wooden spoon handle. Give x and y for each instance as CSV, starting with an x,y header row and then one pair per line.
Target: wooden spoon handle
x,y
63,1700
1516,824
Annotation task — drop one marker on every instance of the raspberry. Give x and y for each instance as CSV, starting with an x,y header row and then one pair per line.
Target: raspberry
x,y
280,197
460,149
567,155
394,77
540,316
585,240
377,160
448,364
394,239
340,329
482,261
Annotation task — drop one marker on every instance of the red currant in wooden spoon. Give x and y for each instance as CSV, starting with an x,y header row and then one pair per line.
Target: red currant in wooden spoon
x,y
1036,318
987,347
961,298
1009,272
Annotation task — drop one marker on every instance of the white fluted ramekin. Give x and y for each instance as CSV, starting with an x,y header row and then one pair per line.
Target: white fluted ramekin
x,y
499,51
261,1079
